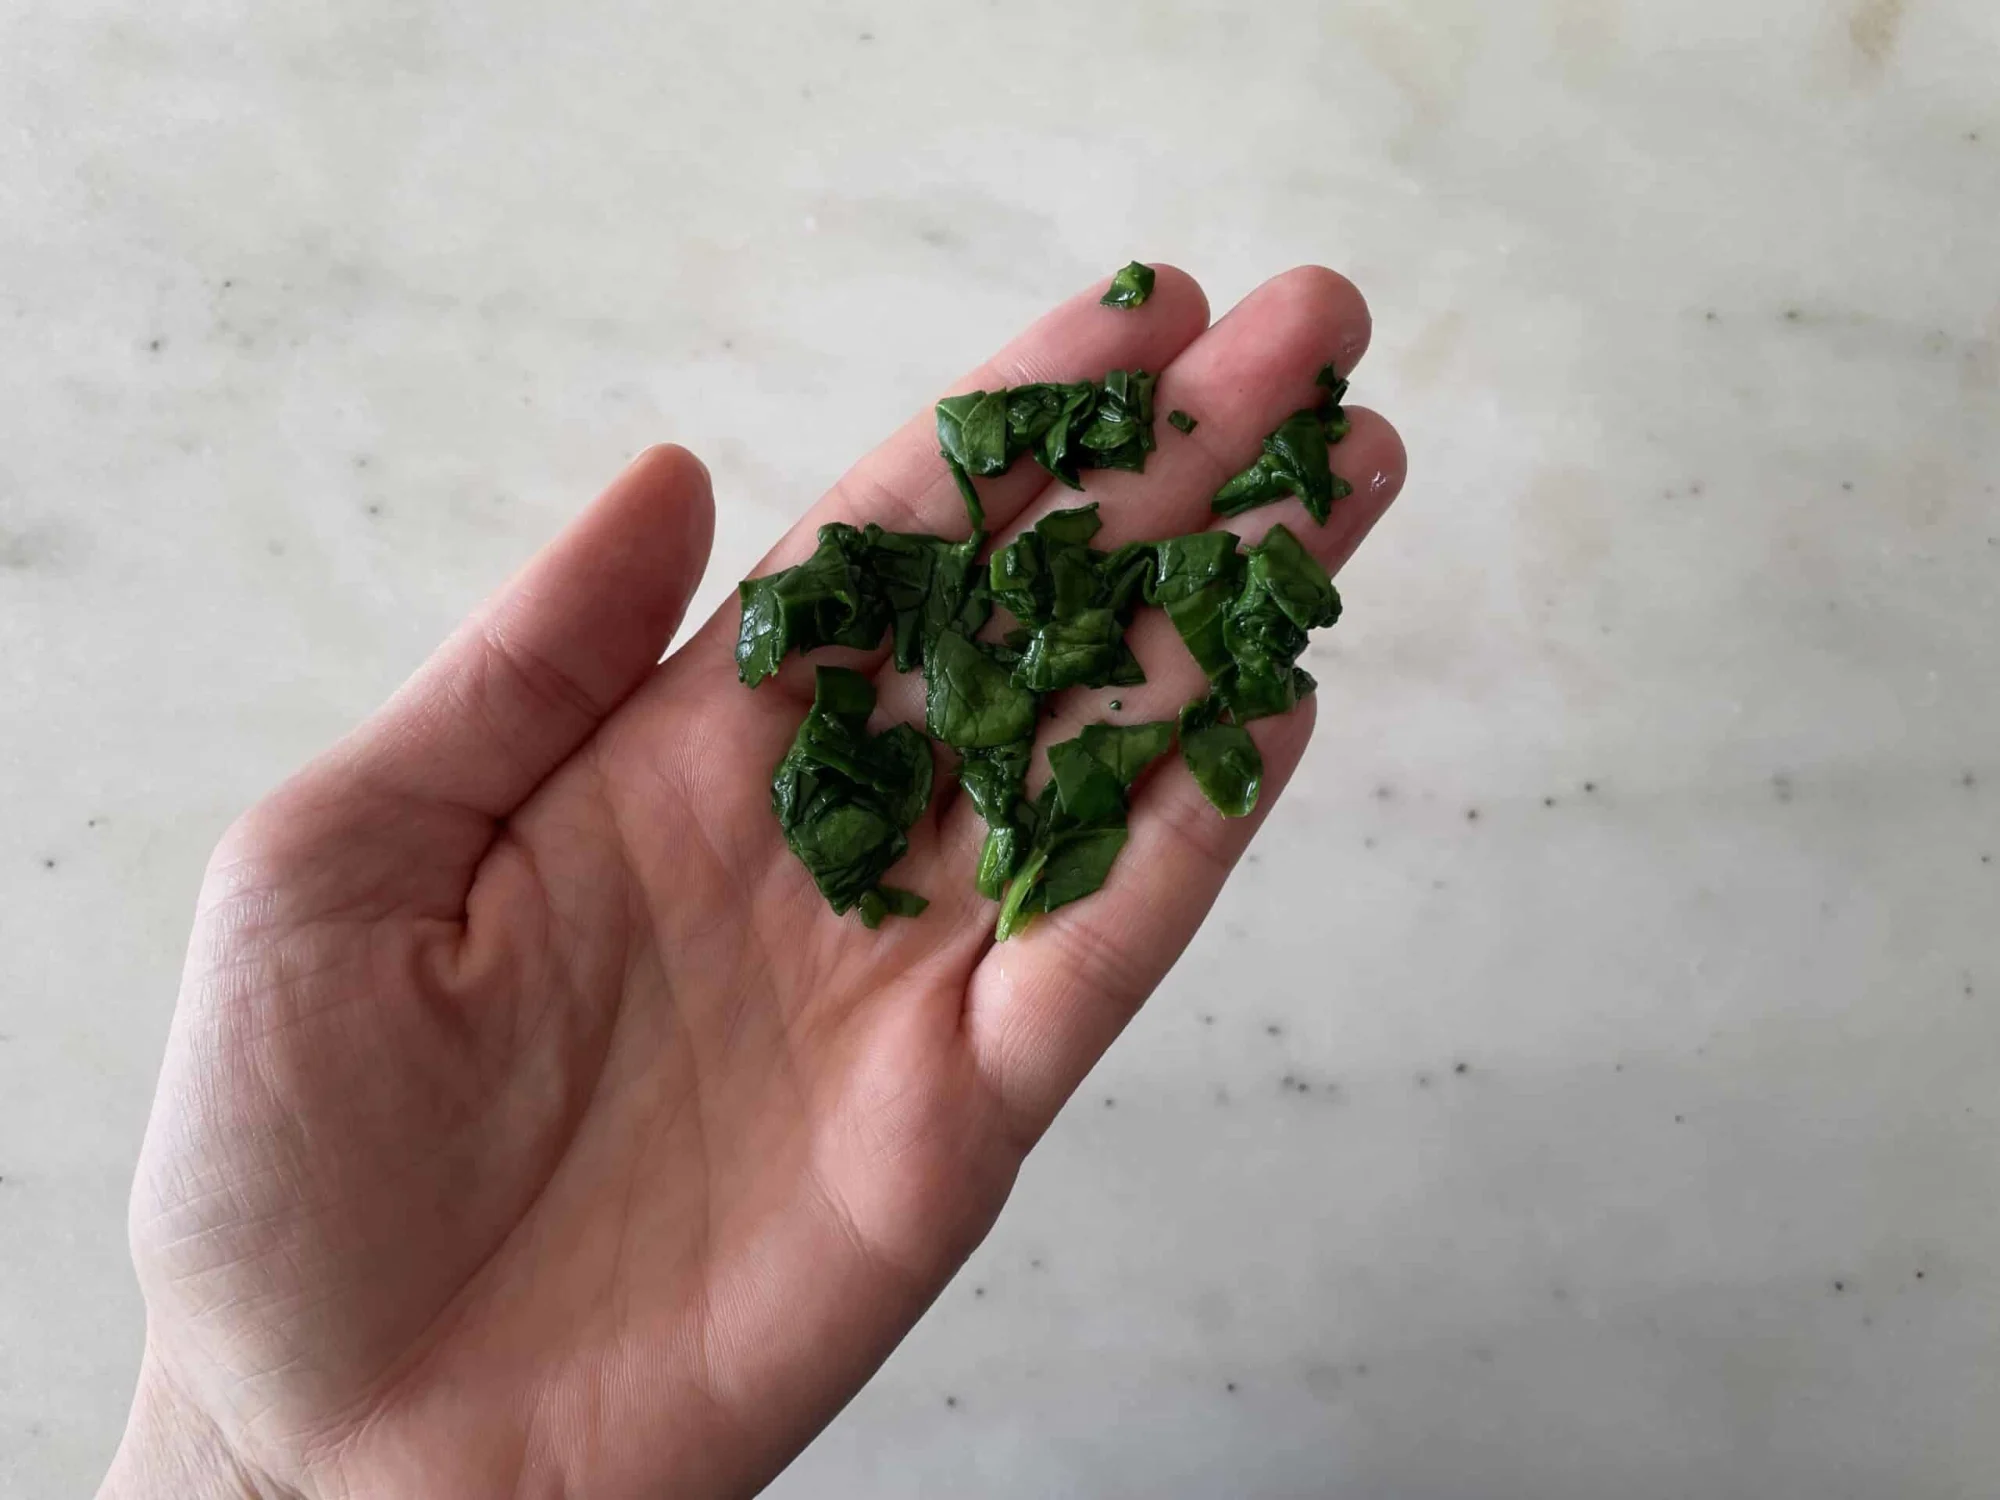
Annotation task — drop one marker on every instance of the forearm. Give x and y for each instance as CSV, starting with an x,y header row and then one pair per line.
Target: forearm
x,y
171,1451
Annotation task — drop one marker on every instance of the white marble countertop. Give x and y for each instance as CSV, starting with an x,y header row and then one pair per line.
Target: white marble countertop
x,y
1616,1108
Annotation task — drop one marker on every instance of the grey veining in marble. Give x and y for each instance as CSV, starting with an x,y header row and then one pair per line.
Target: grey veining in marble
x,y
1616,1108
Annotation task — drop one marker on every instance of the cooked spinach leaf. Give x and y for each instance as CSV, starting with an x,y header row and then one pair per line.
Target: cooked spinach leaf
x,y
1245,618
1077,825
1222,756
833,598
1285,594
1073,601
971,699
1294,460
1196,579
1066,428
1181,421
845,798
857,584
1131,286
994,780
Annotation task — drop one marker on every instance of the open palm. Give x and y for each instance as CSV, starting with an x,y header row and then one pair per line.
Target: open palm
x,y
529,1125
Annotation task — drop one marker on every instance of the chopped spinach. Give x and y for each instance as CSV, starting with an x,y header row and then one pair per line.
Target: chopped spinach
x,y
1073,601
1294,460
1222,756
856,585
971,698
1078,822
1244,617
1131,286
833,598
845,798
1181,421
1066,428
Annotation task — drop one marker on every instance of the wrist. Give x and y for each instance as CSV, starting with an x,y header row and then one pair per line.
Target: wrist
x,y
172,1449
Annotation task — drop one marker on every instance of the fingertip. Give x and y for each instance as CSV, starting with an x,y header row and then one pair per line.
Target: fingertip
x,y
1381,462
1180,289
1324,298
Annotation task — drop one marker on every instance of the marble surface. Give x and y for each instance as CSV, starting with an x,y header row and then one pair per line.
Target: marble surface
x,y
1592,1085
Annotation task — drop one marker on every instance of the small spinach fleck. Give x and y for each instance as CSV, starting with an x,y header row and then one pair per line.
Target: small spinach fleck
x,y
1181,421
1131,286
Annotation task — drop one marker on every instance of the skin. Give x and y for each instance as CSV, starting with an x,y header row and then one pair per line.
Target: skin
x,y
528,1125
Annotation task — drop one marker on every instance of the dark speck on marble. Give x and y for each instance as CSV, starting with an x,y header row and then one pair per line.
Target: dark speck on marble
x,y
1274,1029
1109,1102
1461,1068
156,345
1590,787
1847,484
1229,1386
1920,1275
1208,1020
1968,780
1384,792
1422,1080
1472,815
1680,1119
1368,843
1548,802
951,1401
1781,786
867,36
374,510
1035,1264
979,1291
1840,1286
48,862
362,460
1792,315
1710,315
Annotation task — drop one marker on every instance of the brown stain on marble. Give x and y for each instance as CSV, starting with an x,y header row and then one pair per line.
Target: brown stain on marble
x,y
1872,28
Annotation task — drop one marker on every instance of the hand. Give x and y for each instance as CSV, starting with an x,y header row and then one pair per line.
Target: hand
x,y
529,1126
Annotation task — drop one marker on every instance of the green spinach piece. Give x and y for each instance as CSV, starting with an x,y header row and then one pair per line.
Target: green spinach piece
x,y
994,780
1294,460
1076,827
1130,287
1073,601
1181,421
1196,578
833,598
1285,594
1245,618
1222,757
845,798
856,585
1064,427
971,698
